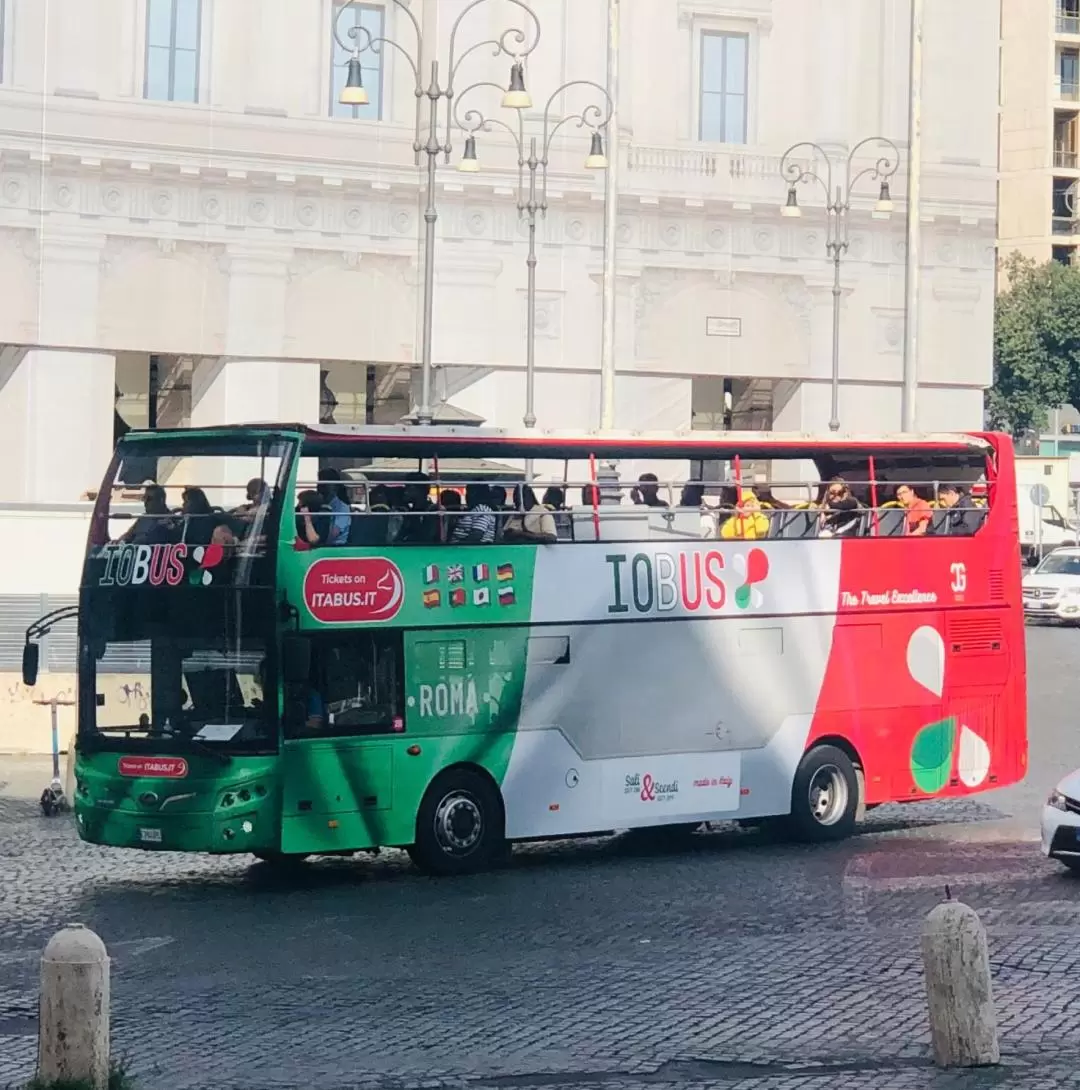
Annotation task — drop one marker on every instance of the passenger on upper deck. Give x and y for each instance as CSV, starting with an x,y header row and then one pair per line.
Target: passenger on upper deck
x,y
199,518
332,492
962,516
258,498
748,523
420,524
155,526
840,513
554,499
919,512
313,520
534,524
647,492
477,525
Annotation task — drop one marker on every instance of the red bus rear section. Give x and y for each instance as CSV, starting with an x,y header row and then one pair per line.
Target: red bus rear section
x,y
926,679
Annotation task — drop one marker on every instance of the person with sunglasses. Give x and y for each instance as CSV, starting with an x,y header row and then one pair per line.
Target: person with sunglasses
x,y
841,511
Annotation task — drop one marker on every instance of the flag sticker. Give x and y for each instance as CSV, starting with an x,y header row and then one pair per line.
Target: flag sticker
x,y
455,573
481,573
432,599
505,572
481,596
431,574
458,597
507,596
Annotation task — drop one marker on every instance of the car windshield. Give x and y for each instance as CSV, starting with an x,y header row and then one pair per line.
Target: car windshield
x,y
1060,564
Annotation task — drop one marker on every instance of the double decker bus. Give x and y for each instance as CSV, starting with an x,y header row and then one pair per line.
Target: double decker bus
x,y
260,673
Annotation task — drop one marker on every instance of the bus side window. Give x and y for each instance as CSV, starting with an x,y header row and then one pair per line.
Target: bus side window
x,y
357,682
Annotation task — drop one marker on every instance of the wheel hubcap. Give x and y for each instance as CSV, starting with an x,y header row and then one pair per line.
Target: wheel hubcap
x,y
828,795
459,823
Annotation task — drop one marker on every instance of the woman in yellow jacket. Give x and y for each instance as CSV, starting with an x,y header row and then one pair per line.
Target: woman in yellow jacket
x,y
748,523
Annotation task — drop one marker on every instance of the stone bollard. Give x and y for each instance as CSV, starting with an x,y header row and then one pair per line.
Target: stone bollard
x,y
963,1024
73,1035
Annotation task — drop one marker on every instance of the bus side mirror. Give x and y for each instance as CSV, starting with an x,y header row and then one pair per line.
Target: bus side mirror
x,y
30,656
295,659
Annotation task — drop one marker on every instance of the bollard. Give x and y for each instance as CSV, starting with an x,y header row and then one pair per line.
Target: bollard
x,y
73,1035
963,1024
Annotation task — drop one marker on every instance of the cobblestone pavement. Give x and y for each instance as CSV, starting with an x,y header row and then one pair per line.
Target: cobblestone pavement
x,y
735,963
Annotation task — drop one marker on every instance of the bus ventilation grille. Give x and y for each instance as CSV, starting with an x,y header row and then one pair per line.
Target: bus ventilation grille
x,y
997,586
968,635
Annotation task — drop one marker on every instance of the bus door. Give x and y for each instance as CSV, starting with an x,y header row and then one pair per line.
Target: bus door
x,y
338,758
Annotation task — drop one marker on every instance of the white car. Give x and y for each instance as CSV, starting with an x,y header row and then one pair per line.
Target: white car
x,y
1052,591
1061,822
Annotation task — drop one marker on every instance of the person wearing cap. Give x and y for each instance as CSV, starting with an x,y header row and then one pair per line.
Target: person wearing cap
x,y
748,523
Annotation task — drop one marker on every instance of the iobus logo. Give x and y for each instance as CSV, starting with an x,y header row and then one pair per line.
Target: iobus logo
x,y
695,581
355,589
157,565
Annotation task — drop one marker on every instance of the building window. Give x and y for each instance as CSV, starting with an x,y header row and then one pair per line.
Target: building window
x,y
371,17
172,50
722,105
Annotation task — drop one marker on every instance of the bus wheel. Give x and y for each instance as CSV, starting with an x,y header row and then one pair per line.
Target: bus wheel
x,y
459,827
824,796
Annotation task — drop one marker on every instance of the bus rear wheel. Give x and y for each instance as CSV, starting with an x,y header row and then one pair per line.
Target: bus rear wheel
x,y
460,826
824,796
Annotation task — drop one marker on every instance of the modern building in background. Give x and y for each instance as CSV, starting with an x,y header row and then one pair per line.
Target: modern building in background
x,y
1040,129
193,230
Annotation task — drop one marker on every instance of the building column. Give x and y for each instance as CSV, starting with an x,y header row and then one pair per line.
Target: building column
x,y
56,425
250,391
56,406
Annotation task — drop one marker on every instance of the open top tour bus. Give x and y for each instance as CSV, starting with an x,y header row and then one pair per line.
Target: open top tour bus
x,y
260,673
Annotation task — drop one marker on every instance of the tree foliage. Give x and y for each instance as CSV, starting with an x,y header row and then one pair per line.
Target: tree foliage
x,y
1036,344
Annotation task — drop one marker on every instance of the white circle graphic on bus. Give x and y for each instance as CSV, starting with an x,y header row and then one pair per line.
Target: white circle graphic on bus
x,y
926,664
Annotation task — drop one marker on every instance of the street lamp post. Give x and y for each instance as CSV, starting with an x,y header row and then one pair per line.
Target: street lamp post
x,y
515,43
838,210
531,202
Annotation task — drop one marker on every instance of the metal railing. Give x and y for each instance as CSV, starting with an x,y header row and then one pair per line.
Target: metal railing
x,y
1066,159
1068,22
1068,90
1064,225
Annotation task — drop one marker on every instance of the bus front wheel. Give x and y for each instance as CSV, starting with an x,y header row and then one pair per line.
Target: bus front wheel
x,y
824,796
459,827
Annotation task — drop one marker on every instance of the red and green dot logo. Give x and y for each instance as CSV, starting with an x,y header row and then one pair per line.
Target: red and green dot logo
x,y
753,568
208,557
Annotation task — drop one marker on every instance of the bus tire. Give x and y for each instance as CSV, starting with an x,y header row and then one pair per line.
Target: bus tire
x,y
459,826
824,796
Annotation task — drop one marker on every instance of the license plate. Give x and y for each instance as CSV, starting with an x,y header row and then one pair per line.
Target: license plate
x,y
150,836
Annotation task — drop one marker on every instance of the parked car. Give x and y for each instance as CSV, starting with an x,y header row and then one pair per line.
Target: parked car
x,y
1051,592
1061,822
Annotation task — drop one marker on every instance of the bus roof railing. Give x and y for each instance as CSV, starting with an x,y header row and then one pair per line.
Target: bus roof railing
x,y
539,437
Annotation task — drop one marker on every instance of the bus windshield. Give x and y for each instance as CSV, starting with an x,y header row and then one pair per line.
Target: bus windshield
x,y
199,491
170,687
187,663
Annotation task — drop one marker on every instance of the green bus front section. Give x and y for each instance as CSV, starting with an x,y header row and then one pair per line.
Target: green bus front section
x,y
323,795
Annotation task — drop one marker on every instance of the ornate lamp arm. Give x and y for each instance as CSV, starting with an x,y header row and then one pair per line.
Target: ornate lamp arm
x,y
885,167
526,43
795,173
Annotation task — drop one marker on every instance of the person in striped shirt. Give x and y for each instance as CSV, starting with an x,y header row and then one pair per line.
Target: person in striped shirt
x,y
477,525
